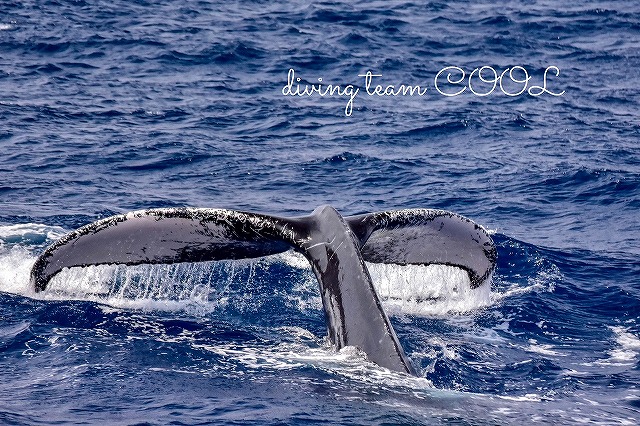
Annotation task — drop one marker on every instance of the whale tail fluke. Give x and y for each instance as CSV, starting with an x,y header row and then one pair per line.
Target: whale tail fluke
x,y
336,247
426,237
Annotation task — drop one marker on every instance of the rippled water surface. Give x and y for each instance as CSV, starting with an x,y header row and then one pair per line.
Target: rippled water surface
x,y
107,107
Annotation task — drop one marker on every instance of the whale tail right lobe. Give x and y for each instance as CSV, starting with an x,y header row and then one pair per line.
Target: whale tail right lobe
x,y
426,237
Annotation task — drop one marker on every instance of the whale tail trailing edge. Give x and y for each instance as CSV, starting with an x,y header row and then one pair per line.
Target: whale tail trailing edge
x,y
336,247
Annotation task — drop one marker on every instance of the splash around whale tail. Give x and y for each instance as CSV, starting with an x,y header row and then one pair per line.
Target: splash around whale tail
x,y
337,248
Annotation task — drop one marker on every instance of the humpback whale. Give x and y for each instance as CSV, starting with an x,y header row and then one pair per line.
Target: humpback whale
x,y
337,248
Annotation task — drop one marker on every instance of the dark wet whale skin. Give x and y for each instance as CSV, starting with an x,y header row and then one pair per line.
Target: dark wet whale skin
x,y
336,248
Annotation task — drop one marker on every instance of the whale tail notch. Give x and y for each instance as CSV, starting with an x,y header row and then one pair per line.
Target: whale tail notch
x,y
337,248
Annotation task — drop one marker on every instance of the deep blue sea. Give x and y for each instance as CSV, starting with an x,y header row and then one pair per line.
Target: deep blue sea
x,y
528,123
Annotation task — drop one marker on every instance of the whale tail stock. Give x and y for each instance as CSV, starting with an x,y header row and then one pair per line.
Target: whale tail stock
x,y
336,247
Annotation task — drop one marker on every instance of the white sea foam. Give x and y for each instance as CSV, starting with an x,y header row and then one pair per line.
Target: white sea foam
x,y
427,290
30,231
628,349
350,363
15,266
625,353
544,280
543,349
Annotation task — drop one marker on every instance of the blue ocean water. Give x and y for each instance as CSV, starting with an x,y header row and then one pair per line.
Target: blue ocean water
x,y
108,107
